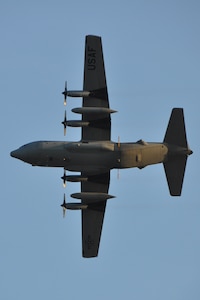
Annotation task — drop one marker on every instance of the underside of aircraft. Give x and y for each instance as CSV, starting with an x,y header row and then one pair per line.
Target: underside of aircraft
x,y
95,155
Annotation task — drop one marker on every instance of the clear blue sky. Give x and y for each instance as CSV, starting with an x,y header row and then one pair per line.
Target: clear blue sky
x,y
150,242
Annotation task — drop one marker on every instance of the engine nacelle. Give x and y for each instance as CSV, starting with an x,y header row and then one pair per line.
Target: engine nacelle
x,y
75,206
76,178
78,93
76,123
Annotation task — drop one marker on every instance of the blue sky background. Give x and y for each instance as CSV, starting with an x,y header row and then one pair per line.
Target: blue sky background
x,y
150,242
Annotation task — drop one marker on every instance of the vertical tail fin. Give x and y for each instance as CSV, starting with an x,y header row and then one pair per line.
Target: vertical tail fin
x,y
175,137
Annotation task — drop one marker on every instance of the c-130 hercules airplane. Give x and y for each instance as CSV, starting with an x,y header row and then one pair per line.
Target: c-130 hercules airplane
x,y
95,154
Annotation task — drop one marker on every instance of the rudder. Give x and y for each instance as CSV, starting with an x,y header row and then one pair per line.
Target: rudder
x,y
175,133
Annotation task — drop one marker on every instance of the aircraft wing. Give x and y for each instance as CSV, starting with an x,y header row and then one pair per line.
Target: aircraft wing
x,y
93,216
95,82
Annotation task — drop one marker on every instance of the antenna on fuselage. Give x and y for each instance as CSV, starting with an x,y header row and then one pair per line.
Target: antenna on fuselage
x,y
118,145
118,142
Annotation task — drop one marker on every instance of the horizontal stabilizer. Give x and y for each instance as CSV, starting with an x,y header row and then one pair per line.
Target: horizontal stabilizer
x,y
178,151
174,170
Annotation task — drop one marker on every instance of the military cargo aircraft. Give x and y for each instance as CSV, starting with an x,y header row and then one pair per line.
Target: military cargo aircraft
x,y
95,155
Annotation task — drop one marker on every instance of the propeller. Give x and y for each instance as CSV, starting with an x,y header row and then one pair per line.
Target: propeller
x,y
63,206
64,177
65,123
65,93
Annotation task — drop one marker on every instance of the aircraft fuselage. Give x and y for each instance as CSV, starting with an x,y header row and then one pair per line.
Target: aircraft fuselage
x,y
91,157
95,154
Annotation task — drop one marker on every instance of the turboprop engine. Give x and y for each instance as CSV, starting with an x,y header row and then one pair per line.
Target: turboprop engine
x,y
72,178
72,206
74,93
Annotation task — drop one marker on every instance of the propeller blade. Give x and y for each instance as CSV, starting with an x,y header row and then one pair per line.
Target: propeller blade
x,y
64,178
65,123
63,206
65,93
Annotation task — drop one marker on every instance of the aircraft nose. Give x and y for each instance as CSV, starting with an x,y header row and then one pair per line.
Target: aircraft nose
x,y
15,154
26,153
